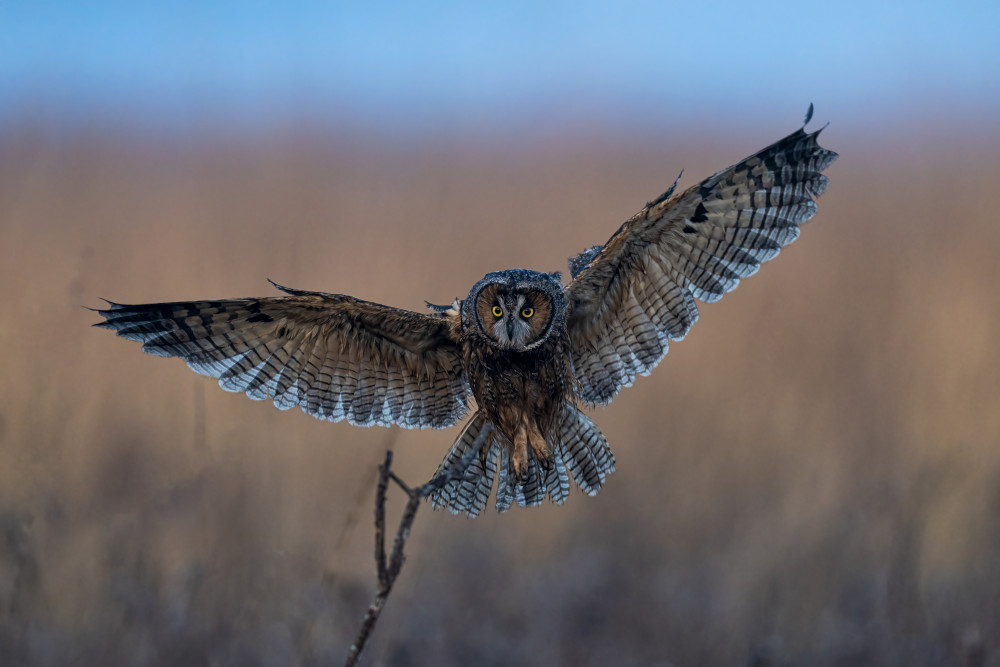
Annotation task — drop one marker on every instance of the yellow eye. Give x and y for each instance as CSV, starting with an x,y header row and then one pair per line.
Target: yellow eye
x,y
527,312
497,311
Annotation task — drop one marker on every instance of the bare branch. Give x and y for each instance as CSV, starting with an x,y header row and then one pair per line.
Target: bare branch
x,y
380,491
389,570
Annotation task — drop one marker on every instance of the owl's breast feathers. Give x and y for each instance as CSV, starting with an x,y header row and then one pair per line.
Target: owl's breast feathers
x,y
521,394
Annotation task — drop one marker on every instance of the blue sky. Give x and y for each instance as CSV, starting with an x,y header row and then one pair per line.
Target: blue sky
x,y
438,61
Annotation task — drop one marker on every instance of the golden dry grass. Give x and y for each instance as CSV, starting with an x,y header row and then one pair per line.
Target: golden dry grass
x,y
812,477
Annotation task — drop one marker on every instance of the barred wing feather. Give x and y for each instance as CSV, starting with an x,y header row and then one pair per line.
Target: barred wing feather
x,y
334,356
631,297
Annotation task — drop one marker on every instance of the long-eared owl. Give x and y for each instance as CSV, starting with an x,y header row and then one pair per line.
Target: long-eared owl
x,y
527,349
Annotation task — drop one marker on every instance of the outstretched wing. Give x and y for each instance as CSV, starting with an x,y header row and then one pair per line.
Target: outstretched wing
x,y
629,298
334,356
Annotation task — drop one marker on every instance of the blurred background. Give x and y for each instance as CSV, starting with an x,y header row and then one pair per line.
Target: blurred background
x,y
811,478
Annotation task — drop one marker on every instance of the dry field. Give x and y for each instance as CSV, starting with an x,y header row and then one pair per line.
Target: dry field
x,y
811,478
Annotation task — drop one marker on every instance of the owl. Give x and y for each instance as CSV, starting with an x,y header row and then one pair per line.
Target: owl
x,y
523,352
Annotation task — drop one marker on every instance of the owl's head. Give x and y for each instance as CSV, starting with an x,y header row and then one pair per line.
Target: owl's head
x,y
515,309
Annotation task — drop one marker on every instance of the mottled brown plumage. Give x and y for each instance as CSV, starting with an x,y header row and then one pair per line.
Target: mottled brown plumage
x,y
525,348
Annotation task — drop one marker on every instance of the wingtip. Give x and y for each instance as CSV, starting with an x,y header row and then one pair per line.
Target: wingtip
x,y
808,118
437,308
102,325
286,290
112,305
673,186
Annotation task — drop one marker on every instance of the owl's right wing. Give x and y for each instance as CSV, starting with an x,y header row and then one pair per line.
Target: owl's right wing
x,y
334,356
633,295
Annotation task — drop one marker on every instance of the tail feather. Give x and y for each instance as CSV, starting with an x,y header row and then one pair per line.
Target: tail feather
x,y
557,480
531,491
581,451
475,493
588,455
470,492
506,482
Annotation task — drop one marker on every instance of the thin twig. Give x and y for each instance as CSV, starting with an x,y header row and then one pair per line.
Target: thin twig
x,y
380,491
360,500
389,570
403,485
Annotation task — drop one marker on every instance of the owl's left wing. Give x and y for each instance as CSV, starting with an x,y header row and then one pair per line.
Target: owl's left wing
x,y
334,356
629,298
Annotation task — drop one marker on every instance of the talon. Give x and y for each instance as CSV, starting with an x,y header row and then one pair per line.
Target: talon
x,y
519,457
540,447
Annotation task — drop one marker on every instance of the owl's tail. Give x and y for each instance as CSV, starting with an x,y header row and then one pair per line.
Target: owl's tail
x,y
581,450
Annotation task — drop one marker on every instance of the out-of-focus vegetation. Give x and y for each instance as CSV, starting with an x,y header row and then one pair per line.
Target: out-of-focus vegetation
x,y
812,478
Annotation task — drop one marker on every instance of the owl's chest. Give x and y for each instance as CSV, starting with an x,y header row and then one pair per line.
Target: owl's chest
x,y
512,387
509,376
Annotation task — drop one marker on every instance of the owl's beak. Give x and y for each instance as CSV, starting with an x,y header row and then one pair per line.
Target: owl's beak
x,y
510,328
